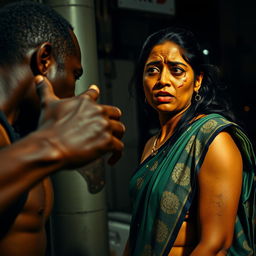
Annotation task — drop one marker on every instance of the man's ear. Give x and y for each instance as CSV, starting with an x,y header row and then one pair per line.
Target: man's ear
x,y
42,59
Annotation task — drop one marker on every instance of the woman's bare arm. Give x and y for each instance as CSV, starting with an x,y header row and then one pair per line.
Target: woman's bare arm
x,y
220,180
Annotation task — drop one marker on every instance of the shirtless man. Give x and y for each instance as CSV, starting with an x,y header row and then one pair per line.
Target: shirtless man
x,y
39,63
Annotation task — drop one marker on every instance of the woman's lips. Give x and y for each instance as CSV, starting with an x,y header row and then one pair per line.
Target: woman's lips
x,y
164,96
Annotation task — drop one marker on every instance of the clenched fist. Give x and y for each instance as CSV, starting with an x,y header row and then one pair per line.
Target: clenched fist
x,y
78,128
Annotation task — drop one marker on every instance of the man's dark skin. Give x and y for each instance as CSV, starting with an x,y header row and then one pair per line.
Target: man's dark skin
x,y
71,133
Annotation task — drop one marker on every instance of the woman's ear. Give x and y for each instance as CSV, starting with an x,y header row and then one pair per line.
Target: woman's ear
x,y
198,82
42,59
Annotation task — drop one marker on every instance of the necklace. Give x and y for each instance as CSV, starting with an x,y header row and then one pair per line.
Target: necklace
x,y
154,149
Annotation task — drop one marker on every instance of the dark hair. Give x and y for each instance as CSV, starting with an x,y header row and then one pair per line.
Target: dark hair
x,y
25,25
211,90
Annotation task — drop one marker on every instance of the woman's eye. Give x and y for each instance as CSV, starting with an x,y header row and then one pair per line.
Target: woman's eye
x,y
177,71
152,70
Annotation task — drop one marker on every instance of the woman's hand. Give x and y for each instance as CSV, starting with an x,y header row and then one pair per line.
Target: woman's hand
x,y
220,181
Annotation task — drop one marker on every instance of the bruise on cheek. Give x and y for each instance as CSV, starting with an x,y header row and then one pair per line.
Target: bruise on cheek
x,y
182,82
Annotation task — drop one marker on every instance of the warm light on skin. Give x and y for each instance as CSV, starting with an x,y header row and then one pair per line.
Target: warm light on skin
x,y
183,80
166,72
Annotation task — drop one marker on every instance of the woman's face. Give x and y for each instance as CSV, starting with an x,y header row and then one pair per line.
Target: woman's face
x,y
168,80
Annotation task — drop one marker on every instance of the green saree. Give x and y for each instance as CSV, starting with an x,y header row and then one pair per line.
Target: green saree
x,y
164,185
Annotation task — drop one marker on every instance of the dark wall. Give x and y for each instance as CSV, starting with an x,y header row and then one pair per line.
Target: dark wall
x,y
238,54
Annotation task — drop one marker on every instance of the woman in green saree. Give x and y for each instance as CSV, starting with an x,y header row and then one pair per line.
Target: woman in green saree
x,y
194,191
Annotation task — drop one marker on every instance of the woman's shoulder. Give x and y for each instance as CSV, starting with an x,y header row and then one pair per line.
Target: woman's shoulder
x,y
224,144
218,118
213,123
204,130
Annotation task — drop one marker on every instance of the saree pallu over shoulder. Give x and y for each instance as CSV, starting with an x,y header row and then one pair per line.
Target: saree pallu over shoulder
x,y
163,187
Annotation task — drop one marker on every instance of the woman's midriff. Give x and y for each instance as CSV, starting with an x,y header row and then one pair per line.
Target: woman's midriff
x,y
187,238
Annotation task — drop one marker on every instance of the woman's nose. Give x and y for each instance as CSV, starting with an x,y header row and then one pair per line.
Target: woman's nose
x,y
165,77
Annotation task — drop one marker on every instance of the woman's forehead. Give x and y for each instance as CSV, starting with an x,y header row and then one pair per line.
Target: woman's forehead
x,y
166,51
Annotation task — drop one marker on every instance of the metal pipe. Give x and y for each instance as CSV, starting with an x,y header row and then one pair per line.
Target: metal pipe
x,y
79,220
